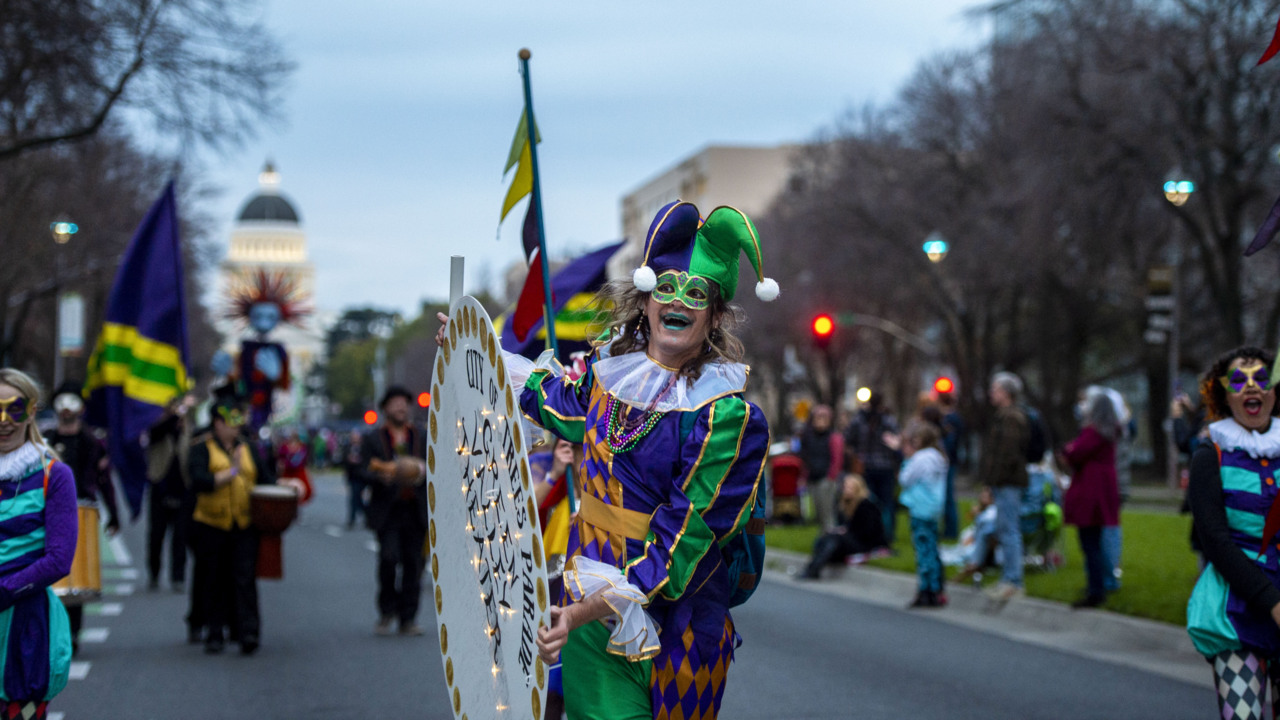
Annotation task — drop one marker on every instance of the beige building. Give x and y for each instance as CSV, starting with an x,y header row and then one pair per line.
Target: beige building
x,y
748,178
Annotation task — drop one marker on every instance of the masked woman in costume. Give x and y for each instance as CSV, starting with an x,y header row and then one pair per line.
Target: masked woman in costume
x,y
673,458
38,536
1233,616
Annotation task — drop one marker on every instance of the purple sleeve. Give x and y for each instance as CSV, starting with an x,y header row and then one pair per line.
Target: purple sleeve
x,y
60,526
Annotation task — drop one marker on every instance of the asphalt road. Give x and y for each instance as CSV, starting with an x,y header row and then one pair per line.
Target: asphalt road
x,y
806,654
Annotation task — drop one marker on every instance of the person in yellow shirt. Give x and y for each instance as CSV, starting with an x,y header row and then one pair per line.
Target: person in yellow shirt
x,y
223,470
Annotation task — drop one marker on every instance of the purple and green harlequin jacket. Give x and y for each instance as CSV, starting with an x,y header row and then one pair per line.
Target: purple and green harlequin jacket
x,y
692,483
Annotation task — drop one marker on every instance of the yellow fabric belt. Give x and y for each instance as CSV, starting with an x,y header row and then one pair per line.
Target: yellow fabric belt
x,y
611,518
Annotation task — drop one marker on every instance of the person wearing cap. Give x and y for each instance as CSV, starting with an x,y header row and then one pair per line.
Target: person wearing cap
x,y
673,458
397,511
223,470
38,532
87,457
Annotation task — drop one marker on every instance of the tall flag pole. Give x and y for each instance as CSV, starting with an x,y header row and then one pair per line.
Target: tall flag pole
x,y
536,203
139,364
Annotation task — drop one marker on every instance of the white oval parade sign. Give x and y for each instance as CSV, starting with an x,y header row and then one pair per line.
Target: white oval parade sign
x,y
486,557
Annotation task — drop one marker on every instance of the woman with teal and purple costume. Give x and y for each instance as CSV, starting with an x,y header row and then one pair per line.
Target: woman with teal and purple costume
x,y
1234,612
674,455
38,527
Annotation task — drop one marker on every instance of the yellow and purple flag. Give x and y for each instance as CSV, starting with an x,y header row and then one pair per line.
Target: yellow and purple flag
x,y
139,364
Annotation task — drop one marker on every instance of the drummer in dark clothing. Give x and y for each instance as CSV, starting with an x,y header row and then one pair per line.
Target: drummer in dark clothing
x,y
397,511
87,457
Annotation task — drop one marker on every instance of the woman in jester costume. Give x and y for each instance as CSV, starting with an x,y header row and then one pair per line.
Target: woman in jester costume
x,y
1234,612
38,527
673,459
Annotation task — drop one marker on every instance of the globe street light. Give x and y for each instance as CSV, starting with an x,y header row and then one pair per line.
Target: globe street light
x,y
935,246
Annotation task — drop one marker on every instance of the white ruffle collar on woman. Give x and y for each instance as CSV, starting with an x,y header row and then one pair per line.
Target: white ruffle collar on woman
x,y
1230,435
641,382
18,464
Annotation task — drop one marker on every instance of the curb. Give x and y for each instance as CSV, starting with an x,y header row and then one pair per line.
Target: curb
x,y
1137,642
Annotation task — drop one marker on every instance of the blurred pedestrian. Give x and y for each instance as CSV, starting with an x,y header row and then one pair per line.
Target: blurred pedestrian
x,y
357,483
953,439
223,471
1092,501
86,455
172,502
37,544
1233,615
292,459
397,511
875,461
862,531
822,452
1004,468
924,480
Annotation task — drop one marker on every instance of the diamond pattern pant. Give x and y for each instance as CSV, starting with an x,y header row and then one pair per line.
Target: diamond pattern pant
x,y
1241,680
25,710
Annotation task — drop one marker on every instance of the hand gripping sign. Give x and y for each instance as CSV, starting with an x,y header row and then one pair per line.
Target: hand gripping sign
x,y
487,559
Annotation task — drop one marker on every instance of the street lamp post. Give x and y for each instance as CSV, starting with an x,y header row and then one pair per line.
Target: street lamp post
x,y
62,231
1177,192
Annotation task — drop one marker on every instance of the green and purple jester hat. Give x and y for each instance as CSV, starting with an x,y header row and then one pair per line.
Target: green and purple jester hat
x,y
681,247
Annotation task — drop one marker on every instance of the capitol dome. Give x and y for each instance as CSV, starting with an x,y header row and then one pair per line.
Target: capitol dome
x,y
268,205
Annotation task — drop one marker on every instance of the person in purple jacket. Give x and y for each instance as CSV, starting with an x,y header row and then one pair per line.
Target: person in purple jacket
x,y
1092,502
38,528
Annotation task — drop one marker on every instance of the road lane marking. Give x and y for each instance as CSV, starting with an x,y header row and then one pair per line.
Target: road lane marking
x,y
120,552
56,715
333,531
79,670
94,635
105,609
124,573
122,589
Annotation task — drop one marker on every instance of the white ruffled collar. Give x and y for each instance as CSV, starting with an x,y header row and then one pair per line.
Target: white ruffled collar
x,y
18,464
1230,435
639,381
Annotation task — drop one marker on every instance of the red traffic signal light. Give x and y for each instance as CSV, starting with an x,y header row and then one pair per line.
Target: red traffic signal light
x,y
424,399
943,385
370,417
823,326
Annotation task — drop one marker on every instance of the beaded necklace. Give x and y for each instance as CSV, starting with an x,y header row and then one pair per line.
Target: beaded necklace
x,y
623,435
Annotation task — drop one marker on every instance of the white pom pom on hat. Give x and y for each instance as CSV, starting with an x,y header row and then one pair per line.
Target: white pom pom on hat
x,y
767,290
644,279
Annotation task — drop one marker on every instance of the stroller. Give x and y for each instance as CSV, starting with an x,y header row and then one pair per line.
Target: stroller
x,y
1041,520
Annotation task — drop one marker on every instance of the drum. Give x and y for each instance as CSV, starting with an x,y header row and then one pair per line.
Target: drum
x,y
84,584
273,508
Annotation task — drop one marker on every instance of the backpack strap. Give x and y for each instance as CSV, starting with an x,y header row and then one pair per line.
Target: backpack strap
x,y
48,468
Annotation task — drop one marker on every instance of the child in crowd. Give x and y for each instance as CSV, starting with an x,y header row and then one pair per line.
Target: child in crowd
x,y
924,481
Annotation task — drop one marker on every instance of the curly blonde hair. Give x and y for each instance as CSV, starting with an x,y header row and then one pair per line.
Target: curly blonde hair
x,y
627,326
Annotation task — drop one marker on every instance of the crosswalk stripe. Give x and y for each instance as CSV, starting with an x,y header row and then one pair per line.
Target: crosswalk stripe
x,y
79,670
333,531
94,635
121,589
123,573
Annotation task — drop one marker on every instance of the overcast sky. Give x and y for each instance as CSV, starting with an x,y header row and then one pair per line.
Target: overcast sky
x,y
401,113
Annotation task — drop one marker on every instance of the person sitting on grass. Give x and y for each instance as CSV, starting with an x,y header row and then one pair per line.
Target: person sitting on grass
x,y
862,531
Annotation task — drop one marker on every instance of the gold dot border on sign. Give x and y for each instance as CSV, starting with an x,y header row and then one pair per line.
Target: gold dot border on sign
x,y
431,422
457,701
435,567
444,639
439,601
536,702
540,671
431,459
537,550
542,595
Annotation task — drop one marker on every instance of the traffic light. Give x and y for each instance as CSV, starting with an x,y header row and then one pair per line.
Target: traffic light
x,y
370,417
424,399
823,328
943,385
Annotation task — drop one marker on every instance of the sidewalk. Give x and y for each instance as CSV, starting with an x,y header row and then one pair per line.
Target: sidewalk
x,y
1143,644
